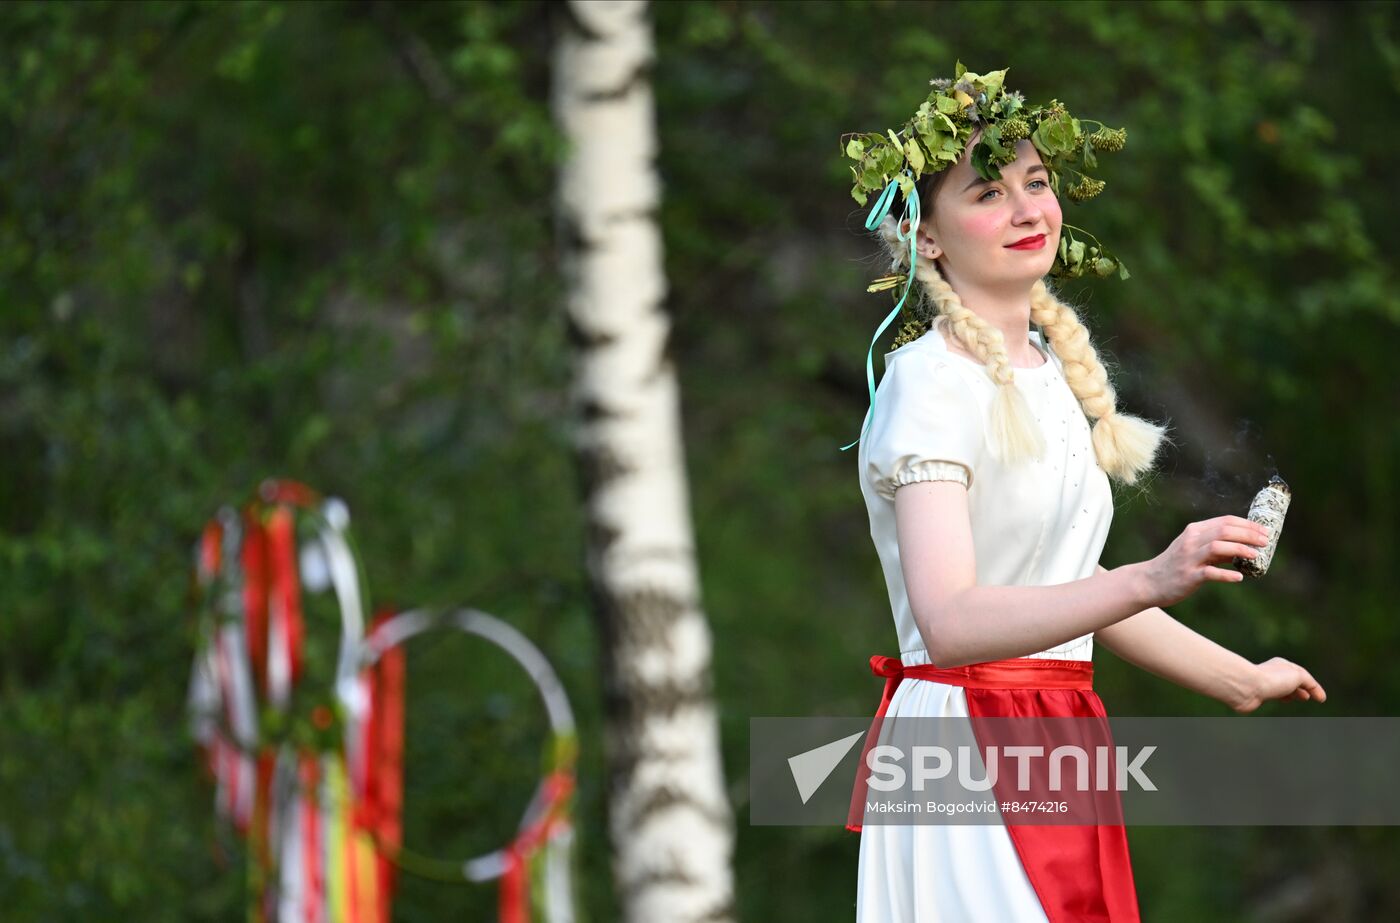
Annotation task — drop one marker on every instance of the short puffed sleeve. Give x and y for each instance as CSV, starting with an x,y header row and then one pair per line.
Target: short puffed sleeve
x,y
927,425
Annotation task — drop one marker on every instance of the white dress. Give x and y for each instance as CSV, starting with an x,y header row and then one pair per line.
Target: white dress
x,y
1040,524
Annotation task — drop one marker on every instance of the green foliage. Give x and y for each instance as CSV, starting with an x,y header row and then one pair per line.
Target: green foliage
x,y
1259,324
241,240
936,136
312,240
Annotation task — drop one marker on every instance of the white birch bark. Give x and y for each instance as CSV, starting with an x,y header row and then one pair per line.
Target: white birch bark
x,y
670,820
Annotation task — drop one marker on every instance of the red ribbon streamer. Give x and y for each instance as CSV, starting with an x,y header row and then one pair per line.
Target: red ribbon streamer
x,y
312,878
285,589
380,807
514,902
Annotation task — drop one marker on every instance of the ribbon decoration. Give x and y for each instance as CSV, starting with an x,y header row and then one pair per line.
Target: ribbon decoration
x,y
285,626
291,800
222,703
534,867
522,866
316,789
376,779
877,215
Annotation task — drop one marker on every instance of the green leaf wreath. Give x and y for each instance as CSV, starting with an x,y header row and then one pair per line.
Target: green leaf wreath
x,y
937,134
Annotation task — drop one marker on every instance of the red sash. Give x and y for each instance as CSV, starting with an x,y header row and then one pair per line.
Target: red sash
x,y
1081,873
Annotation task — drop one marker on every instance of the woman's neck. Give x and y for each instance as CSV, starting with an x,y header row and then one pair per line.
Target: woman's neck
x,y
1008,310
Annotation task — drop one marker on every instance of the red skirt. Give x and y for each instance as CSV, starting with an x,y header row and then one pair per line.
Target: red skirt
x,y
1080,872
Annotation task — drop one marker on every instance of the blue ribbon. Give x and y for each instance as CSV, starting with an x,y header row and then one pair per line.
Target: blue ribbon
x,y
877,215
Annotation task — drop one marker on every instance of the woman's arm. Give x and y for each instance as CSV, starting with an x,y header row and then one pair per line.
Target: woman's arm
x,y
1161,645
962,622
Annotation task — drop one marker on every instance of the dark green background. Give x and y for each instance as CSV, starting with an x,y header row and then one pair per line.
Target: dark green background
x,y
317,241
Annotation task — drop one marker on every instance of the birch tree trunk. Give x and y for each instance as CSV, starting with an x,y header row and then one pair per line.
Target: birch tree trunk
x,y
671,823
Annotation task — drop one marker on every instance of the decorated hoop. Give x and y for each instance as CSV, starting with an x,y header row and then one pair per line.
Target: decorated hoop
x,y
252,570
545,823
314,785
223,694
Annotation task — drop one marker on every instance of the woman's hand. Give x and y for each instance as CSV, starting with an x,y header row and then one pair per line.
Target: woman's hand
x,y
1277,678
1192,558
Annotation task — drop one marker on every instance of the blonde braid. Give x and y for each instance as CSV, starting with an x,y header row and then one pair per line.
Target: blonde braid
x,y
1125,445
1013,434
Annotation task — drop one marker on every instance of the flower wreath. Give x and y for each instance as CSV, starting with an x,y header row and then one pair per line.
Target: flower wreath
x,y
936,136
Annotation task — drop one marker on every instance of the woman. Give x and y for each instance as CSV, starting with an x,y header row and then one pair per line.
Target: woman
x,y
988,494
